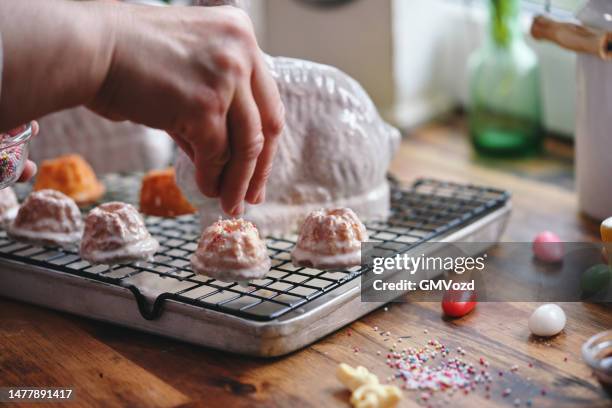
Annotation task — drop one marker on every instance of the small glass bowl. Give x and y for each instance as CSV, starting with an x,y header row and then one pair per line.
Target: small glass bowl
x,y
597,353
14,148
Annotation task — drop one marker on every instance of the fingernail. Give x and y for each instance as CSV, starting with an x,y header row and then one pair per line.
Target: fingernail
x,y
237,211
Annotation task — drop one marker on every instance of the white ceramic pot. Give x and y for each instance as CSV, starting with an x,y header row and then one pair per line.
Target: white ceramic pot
x,y
594,120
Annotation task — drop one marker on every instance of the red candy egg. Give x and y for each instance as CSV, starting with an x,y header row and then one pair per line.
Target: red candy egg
x,y
548,247
457,303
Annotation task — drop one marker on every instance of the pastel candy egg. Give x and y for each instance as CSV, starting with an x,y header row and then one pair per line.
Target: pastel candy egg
x,y
548,247
547,320
595,279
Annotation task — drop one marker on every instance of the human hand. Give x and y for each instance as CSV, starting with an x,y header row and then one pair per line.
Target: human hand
x,y
199,74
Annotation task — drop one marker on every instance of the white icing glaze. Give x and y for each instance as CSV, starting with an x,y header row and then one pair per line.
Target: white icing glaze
x,y
8,216
334,151
302,257
42,237
141,250
8,205
232,275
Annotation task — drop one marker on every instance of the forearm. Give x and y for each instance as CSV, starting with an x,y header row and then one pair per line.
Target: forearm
x,y
56,54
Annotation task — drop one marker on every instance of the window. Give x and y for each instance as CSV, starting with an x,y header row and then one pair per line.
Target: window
x,y
562,8
565,5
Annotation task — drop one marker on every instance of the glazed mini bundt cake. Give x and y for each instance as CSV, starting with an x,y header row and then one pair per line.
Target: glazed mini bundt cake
x,y
71,175
230,251
330,238
116,233
160,196
48,217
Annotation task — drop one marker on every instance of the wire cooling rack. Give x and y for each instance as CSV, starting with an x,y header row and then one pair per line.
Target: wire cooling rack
x,y
420,213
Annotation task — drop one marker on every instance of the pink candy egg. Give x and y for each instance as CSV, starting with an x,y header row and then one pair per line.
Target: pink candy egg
x,y
548,247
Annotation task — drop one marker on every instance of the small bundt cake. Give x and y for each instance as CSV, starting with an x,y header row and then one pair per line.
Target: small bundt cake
x,y
71,175
8,205
47,217
116,233
230,251
160,196
330,238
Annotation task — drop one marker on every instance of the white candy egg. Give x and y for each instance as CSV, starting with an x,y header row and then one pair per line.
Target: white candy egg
x,y
547,320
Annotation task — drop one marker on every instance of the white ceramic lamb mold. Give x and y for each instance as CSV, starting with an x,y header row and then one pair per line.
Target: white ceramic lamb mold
x,y
334,152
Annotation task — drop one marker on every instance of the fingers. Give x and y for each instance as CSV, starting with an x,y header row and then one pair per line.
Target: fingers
x,y
210,155
183,145
29,170
272,115
246,144
35,128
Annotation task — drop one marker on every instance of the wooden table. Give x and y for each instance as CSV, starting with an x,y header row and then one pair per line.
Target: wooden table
x,y
111,366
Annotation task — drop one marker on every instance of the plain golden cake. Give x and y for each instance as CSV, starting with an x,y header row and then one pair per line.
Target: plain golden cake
x,y
330,238
160,196
116,233
71,175
47,217
231,251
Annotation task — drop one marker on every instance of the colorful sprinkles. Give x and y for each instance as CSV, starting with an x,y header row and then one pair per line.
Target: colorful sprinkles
x,y
10,157
439,368
9,162
450,373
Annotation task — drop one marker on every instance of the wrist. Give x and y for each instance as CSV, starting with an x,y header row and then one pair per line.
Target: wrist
x,y
97,27
56,55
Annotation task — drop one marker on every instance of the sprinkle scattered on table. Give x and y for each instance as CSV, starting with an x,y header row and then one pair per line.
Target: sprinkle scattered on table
x,y
436,367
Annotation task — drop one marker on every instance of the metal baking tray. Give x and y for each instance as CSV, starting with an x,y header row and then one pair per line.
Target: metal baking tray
x,y
288,309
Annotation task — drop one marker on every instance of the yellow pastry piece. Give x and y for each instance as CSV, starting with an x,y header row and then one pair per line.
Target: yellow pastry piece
x,y
376,396
367,392
353,378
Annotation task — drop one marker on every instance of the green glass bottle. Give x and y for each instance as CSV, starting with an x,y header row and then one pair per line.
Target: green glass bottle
x,y
504,106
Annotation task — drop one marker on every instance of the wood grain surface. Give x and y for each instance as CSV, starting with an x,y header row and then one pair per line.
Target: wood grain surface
x,y
113,366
